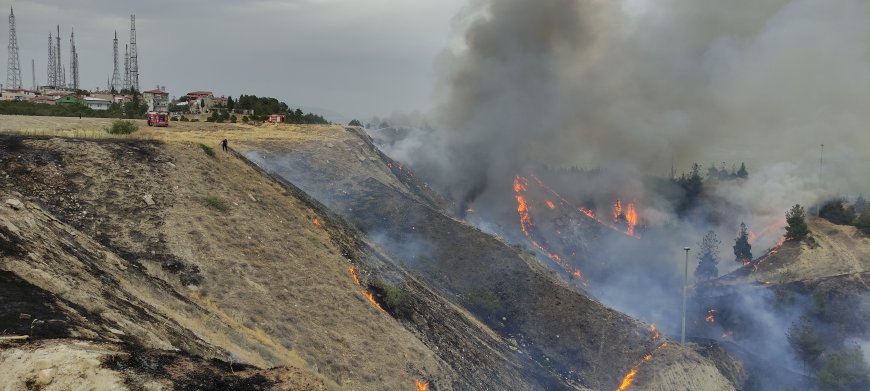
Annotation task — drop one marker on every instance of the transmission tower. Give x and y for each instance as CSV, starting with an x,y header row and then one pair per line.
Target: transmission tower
x,y
134,55
13,67
61,72
52,69
73,61
127,67
116,74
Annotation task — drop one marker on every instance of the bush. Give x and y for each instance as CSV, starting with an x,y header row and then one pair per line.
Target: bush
x,y
845,370
194,120
245,119
233,119
122,127
217,204
208,150
395,298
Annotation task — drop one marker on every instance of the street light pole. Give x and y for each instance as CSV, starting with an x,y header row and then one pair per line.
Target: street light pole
x,y
685,287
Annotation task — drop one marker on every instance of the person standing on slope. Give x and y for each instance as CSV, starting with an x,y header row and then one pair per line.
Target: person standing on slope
x,y
224,145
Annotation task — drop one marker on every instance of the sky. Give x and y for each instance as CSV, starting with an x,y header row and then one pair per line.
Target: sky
x,y
357,58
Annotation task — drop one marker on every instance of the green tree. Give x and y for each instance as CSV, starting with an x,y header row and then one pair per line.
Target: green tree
x,y
709,258
230,103
807,343
355,123
742,173
797,226
845,370
837,212
860,204
742,248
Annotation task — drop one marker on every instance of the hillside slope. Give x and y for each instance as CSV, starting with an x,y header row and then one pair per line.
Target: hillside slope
x,y
509,290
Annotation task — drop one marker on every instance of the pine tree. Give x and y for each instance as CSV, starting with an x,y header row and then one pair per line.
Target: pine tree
x,y
707,269
742,173
860,204
742,248
797,226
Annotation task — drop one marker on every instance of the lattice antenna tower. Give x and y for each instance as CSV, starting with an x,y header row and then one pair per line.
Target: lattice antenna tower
x,y
61,72
52,69
13,66
116,74
73,61
127,67
134,55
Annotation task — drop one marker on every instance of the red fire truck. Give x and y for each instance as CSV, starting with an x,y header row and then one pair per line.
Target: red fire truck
x,y
158,119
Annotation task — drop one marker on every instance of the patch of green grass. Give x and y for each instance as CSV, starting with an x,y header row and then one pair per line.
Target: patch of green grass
x,y
483,298
217,204
208,150
122,127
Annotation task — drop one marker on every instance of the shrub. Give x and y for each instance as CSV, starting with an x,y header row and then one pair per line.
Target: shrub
x,y
245,119
122,127
845,370
208,150
194,120
233,119
484,299
217,204
396,299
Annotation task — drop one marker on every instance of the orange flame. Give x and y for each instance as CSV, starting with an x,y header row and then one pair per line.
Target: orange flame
x,y
647,357
316,221
366,294
521,185
421,385
551,205
627,380
631,219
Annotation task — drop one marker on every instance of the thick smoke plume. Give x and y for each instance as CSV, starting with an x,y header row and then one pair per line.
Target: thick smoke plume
x,y
635,85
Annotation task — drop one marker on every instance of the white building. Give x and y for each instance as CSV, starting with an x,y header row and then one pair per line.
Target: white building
x,y
96,103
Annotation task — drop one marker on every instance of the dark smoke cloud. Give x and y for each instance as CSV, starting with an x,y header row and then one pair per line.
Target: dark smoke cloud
x,y
635,84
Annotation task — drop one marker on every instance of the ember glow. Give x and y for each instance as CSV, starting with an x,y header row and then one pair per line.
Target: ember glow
x,y
617,211
711,316
421,385
550,204
316,221
629,377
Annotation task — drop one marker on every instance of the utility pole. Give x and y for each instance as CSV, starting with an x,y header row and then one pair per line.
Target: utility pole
x,y
33,72
13,65
685,287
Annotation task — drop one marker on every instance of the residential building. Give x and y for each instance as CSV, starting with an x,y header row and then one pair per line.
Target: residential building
x,y
44,99
200,101
96,103
156,100
17,94
68,100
